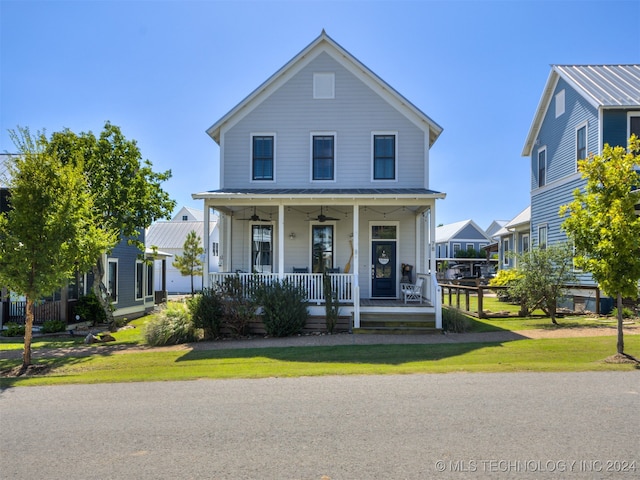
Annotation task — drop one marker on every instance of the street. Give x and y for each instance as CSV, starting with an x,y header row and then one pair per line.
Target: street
x,y
517,425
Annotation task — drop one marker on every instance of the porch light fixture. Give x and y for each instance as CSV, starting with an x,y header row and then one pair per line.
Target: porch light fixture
x,y
292,235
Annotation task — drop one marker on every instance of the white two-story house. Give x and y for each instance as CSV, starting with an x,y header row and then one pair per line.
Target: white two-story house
x,y
325,167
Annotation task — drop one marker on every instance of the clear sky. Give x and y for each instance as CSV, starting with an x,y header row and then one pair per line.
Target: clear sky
x,y
164,71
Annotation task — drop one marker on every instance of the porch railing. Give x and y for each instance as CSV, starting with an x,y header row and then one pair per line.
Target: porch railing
x,y
311,283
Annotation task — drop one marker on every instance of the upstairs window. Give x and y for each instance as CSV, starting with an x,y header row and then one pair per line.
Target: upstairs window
x,y
384,157
542,167
323,157
581,143
262,157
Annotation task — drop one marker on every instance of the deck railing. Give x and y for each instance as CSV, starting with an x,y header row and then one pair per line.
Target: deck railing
x,y
311,283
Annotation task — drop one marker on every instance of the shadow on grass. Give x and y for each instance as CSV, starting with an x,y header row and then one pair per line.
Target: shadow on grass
x,y
391,354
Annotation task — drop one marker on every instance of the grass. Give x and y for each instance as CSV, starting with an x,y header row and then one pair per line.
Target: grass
x,y
490,303
106,366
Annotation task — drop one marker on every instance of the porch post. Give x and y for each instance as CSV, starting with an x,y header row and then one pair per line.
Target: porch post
x,y
419,247
205,280
356,266
281,241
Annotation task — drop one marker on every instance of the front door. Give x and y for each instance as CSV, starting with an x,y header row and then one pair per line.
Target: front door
x,y
383,268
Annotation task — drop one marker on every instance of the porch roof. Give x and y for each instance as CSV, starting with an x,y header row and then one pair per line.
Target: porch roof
x,y
319,193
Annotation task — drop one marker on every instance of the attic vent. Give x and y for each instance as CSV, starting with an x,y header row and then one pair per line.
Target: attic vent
x,y
324,85
559,103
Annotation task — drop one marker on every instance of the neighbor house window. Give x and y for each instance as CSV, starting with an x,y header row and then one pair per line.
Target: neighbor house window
x,y
214,248
139,280
634,124
384,157
505,252
542,237
581,143
185,218
262,148
322,248
456,249
261,248
149,279
323,152
525,243
542,167
112,280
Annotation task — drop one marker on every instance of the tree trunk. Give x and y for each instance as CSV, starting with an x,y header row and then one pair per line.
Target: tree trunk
x,y
28,334
192,284
102,293
620,344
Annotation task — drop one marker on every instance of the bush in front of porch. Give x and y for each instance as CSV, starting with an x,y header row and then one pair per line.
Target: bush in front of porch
x,y
284,308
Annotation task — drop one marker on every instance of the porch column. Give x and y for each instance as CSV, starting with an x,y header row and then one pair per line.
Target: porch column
x,y
419,246
281,241
205,280
356,266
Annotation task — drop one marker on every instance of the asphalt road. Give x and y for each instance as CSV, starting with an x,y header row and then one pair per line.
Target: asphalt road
x,y
520,425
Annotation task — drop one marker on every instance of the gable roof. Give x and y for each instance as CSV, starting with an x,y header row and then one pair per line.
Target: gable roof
x,y
171,235
191,213
446,233
606,86
324,43
522,218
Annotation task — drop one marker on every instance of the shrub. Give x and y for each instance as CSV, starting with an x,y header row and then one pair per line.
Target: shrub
x,y
505,278
14,330
238,311
284,309
626,312
171,326
331,305
53,326
89,309
454,321
207,311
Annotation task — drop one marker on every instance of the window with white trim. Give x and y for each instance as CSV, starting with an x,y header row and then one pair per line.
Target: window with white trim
x,y
525,243
384,156
262,157
214,248
139,280
149,279
542,167
581,142
542,237
505,252
112,279
456,248
633,126
323,156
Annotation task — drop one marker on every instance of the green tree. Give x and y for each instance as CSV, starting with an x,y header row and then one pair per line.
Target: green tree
x,y
127,193
190,263
603,225
542,276
49,232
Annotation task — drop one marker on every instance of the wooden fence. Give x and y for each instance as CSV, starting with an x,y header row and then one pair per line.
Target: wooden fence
x,y
459,296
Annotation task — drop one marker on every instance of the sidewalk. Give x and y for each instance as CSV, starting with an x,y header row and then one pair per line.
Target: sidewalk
x,y
325,340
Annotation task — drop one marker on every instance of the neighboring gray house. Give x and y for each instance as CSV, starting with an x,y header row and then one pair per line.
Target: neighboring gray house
x,y
325,167
169,237
582,108
459,237
514,238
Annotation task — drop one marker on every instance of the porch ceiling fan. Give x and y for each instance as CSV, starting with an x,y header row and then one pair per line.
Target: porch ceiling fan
x,y
255,217
321,218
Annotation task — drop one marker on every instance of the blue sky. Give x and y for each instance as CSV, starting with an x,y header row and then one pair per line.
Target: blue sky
x,y
164,71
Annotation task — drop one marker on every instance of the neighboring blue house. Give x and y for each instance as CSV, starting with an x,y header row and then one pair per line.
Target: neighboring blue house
x,y
582,108
459,236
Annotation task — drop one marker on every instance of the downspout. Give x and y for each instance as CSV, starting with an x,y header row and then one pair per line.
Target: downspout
x,y
205,280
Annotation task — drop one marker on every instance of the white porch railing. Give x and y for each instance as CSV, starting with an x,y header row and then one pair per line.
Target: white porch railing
x,y
341,283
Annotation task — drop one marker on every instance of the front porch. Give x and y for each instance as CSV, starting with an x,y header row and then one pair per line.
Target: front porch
x,y
366,314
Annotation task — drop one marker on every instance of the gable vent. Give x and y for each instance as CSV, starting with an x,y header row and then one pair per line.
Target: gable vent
x,y
324,85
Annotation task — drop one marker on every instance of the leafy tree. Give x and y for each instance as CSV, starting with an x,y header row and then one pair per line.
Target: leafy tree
x,y
542,275
189,263
603,225
49,232
127,193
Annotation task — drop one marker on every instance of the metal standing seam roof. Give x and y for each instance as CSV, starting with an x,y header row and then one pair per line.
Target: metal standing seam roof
x,y
605,85
166,235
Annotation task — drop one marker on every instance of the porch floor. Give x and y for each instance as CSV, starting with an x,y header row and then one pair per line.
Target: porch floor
x,y
392,302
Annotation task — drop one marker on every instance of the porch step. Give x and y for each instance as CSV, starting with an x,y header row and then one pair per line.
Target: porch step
x,y
397,323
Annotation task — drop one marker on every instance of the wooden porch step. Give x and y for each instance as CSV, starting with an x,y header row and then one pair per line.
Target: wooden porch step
x,y
397,323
